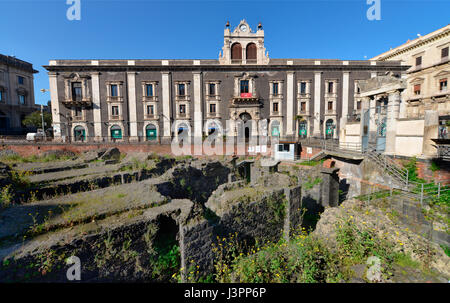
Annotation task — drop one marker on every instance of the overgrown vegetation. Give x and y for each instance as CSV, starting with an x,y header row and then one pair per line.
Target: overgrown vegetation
x,y
304,259
14,158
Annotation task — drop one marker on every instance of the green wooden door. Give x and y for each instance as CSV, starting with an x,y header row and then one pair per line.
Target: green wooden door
x,y
116,133
151,134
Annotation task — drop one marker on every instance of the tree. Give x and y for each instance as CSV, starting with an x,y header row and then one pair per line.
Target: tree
x,y
34,120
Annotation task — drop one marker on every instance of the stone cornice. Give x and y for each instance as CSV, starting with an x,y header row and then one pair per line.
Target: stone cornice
x,y
413,45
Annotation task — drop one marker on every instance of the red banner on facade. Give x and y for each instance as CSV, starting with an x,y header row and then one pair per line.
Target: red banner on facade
x,y
246,95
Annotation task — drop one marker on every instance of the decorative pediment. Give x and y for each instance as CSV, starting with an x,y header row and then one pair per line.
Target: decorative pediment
x,y
417,80
76,77
442,73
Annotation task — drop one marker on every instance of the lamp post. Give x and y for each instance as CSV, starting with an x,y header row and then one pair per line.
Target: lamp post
x,y
43,90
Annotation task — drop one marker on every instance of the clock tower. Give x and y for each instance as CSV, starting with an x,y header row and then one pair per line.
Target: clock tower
x,y
243,45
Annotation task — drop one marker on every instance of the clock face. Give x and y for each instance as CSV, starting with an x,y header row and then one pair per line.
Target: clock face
x,y
243,27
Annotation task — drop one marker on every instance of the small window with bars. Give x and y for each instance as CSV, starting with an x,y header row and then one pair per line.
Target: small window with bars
x,y
444,52
114,111
275,107
150,110
182,108
419,61
212,108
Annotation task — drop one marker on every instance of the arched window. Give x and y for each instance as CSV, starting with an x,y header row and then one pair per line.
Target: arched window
x,y
236,51
251,51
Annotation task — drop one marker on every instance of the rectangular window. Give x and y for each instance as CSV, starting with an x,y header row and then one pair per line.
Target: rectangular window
x,y
330,87
22,99
358,89
181,90
303,107
114,111
358,105
275,107
20,79
244,86
149,90
444,52
275,89
419,61
1,96
76,91
212,108
417,89
78,112
182,109
330,105
150,110
302,88
114,90
443,85
212,89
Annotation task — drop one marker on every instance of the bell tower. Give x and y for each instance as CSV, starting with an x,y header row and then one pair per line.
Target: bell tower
x,y
243,45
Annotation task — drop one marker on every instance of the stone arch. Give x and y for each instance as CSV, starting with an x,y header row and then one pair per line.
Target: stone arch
x,y
116,132
251,51
80,132
182,125
213,124
148,127
236,51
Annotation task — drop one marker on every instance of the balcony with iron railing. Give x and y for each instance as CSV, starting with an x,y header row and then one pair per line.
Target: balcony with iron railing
x,y
84,101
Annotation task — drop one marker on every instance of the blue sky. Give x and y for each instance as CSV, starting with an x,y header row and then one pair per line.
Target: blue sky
x,y
37,31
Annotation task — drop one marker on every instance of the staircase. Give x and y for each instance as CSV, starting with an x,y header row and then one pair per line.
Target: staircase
x,y
388,165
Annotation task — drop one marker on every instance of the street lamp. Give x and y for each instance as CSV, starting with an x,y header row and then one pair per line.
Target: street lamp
x,y
43,90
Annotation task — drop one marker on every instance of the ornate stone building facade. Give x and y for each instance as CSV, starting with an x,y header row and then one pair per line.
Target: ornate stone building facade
x,y
16,94
154,100
427,77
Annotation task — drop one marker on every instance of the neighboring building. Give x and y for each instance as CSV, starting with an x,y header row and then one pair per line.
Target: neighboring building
x,y
16,94
428,75
139,100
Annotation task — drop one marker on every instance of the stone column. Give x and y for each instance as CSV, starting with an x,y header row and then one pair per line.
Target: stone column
x,y
391,123
317,98
290,104
372,122
198,118
166,105
58,128
345,95
431,131
96,108
132,105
